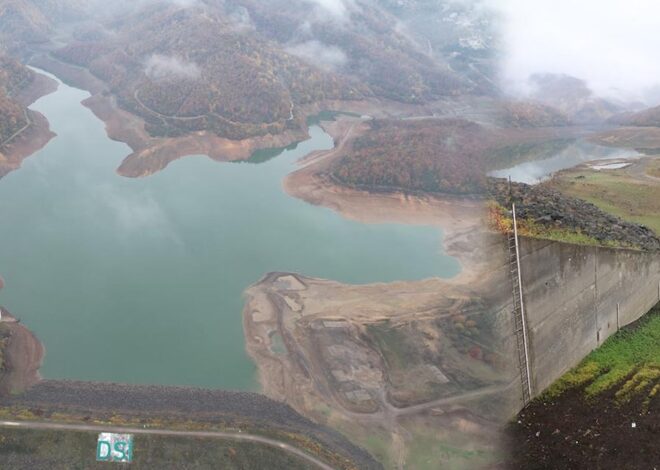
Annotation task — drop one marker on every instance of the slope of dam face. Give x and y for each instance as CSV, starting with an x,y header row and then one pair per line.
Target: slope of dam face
x,y
577,296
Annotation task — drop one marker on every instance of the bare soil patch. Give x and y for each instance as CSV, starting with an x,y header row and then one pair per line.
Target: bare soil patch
x,y
574,433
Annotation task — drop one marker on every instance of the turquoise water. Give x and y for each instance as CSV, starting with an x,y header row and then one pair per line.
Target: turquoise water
x,y
141,280
573,154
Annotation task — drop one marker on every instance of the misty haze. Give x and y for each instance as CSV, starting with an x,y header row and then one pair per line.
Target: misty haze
x,y
335,234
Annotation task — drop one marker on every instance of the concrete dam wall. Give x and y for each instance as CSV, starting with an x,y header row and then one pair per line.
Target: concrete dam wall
x,y
576,297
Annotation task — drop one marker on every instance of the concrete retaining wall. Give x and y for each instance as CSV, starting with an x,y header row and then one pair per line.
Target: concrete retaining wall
x,y
577,296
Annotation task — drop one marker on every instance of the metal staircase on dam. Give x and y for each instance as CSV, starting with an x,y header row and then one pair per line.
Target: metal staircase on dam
x,y
519,312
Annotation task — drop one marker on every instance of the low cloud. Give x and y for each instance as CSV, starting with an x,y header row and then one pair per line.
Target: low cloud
x,y
184,3
159,67
332,10
322,55
128,5
334,7
240,19
612,45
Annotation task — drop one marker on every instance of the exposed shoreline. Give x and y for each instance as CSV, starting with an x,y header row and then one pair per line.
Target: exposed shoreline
x,y
462,221
282,309
459,218
314,345
37,134
23,356
151,154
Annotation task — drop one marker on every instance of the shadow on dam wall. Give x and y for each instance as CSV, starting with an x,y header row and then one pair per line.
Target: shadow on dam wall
x,y
576,297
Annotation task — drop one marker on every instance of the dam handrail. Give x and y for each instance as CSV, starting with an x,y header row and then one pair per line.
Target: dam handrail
x,y
519,313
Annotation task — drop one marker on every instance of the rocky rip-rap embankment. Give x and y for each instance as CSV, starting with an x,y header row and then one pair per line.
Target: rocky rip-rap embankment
x,y
545,212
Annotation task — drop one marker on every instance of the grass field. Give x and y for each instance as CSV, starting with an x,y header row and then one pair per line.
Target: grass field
x,y
628,363
654,169
430,446
429,452
615,192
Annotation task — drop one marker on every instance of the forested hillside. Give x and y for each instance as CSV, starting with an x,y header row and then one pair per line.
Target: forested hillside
x,y
647,118
367,43
462,34
437,155
243,68
21,23
192,69
573,97
429,155
13,77
526,114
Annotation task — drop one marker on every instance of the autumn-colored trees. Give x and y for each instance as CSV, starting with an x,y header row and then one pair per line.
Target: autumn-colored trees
x,y
441,155
530,114
189,70
423,155
647,118
236,68
13,77
377,54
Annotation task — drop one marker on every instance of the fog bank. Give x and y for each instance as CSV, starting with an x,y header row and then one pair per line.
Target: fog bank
x,y
612,44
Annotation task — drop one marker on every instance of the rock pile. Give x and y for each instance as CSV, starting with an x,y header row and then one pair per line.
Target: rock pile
x,y
552,209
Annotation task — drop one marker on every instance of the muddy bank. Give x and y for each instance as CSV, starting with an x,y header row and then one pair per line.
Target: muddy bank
x,y
36,135
392,362
330,349
151,154
462,220
22,354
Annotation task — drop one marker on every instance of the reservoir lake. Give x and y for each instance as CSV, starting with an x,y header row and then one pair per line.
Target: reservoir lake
x,y
536,170
141,280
